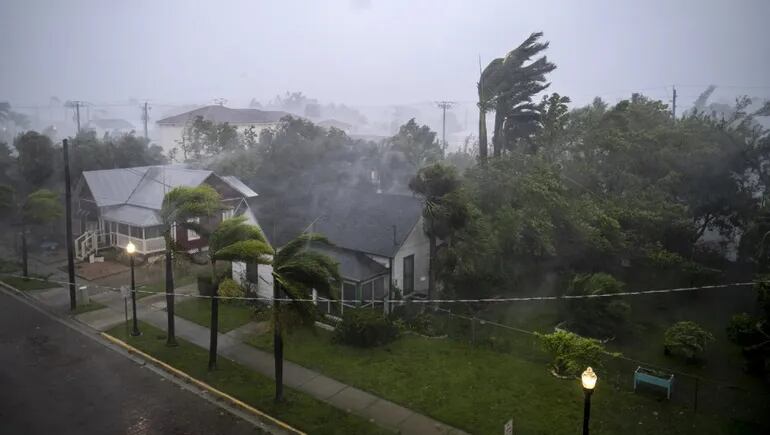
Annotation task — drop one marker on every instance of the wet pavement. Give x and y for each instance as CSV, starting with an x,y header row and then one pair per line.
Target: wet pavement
x,y
54,380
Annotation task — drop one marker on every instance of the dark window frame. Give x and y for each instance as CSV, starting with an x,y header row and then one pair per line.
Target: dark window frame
x,y
408,277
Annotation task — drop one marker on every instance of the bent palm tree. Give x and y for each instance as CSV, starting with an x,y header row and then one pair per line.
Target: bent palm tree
x,y
233,240
297,270
180,206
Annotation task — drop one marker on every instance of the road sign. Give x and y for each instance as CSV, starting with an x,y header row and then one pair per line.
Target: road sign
x,y
508,428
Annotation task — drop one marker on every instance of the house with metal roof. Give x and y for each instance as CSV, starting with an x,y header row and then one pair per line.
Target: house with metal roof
x,y
115,206
379,243
171,129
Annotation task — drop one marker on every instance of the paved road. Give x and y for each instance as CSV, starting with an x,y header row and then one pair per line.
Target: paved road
x,y
54,380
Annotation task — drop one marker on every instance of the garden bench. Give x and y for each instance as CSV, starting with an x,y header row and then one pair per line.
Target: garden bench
x,y
655,378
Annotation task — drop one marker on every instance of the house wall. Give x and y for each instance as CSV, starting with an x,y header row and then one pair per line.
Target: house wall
x,y
416,244
169,135
264,288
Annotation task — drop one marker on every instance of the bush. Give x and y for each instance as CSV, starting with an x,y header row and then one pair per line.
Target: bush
x,y
742,329
597,317
231,289
572,353
686,338
365,328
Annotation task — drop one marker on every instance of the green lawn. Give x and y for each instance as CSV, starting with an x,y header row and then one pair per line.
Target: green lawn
x,y
8,266
91,306
478,389
160,286
299,410
28,284
198,310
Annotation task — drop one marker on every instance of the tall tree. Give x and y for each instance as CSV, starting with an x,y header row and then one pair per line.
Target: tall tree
x,y
40,207
296,270
180,207
508,86
435,183
37,157
417,143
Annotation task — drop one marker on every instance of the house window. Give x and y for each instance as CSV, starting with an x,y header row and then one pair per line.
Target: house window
x,y
366,292
252,272
408,274
348,292
136,232
123,229
227,214
379,288
153,232
191,234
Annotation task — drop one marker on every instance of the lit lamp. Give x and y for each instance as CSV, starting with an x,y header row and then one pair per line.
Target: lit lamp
x,y
130,250
588,379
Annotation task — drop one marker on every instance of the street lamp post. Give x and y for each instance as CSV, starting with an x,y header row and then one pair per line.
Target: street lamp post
x,y
588,379
130,250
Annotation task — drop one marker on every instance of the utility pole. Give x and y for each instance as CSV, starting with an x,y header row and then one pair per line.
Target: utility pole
x,y
444,105
673,106
68,212
77,114
145,118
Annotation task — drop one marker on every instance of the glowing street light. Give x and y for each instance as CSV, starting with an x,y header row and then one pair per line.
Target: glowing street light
x,y
588,379
130,250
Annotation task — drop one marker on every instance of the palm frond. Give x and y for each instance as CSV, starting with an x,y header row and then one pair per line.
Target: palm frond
x,y
250,251
311,269
298,244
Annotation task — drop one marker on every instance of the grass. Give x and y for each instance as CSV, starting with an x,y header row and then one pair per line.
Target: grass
x,y
26,284
299,410
85,308
478,389
160,287
8,266
231,314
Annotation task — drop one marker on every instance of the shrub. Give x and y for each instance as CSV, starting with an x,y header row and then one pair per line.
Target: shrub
x,y
742,329
572,353
686,338
365,328
597,317
231,289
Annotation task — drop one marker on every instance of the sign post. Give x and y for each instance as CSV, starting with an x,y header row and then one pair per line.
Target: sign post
x,y
124,291
508,428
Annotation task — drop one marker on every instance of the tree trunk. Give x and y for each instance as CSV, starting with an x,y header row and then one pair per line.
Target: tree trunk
x,y
24,262
214,319
482,135
497,139
171,336
277,342
431,264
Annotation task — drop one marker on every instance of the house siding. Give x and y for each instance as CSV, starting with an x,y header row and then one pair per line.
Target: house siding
x,y
264,288
416,244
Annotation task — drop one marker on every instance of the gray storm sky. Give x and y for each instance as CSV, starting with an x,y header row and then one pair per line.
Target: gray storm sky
x,y
370,52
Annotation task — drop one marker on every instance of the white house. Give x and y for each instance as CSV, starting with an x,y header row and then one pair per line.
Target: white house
x,y
110,126
171,129
378,240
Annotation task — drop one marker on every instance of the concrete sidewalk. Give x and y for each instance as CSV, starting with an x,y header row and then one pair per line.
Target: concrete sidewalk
x,y
151,309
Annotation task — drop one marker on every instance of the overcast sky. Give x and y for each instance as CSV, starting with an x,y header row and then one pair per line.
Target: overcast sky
x,y
370,52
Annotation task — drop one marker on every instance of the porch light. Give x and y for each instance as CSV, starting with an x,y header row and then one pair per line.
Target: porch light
x,y
589,379
131,248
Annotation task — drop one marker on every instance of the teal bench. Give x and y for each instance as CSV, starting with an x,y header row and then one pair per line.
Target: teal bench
x,y
654,377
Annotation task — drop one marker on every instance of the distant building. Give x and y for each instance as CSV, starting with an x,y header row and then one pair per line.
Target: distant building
x,y
171,129
115,206
110,126
340,125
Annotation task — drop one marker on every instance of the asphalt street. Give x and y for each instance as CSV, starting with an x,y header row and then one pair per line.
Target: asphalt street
x,y
55,380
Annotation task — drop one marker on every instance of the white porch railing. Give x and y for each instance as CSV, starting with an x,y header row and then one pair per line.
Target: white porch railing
x,y
143,246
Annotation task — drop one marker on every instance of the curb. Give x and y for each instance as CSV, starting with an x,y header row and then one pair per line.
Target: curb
x,y
220,394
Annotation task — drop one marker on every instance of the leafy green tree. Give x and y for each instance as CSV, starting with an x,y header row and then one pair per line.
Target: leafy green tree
x,y
417,143
41,207
180,206
296,270
202,137
435,183
37,157
686,338
599,316
572,353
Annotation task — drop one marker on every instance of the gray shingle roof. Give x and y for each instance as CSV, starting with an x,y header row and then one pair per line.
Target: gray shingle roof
x,y
219,114
132,215
354,266
239,186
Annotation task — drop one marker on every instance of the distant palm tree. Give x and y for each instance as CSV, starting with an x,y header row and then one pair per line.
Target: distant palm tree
x,y
507,86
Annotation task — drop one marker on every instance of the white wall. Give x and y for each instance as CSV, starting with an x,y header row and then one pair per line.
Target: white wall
x,y
416,244
265,287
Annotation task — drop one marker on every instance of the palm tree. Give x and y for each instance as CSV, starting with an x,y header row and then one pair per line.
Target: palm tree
x,y
434,183
296,270
508,86
180,205
233,240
